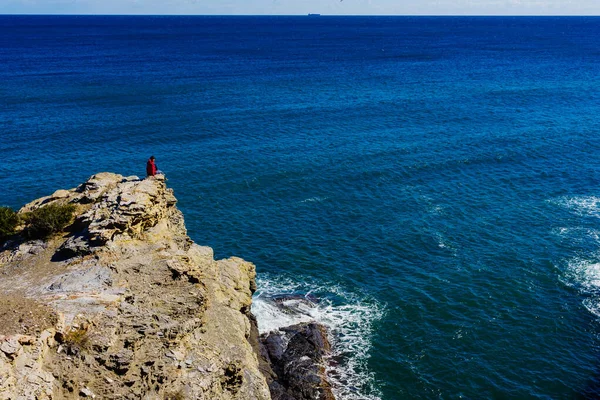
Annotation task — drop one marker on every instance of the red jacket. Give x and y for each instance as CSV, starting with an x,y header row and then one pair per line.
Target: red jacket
x,y
150,168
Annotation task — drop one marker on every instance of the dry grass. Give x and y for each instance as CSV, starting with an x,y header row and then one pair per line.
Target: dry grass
x,y
175,396
77,337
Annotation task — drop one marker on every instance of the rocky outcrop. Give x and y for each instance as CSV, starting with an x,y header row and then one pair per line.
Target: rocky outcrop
x,y
125,305
297,356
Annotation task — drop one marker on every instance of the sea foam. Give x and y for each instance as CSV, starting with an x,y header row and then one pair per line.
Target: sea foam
x,y
348,316
581,205
583,270
315,199
584,274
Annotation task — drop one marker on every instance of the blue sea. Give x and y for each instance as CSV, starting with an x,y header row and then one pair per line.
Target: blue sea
x,y
433,181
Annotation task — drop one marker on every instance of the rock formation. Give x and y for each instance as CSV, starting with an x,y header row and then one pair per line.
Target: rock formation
x,y
125,305
297,355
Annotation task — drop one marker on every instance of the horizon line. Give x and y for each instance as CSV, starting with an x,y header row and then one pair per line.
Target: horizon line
x,y
300,15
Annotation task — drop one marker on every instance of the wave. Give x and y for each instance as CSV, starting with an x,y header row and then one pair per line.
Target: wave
x,y
348,316
582,271
581,205
580,234
584,274
315,200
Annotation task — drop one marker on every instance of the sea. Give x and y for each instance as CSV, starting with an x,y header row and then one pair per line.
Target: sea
x,y
430,185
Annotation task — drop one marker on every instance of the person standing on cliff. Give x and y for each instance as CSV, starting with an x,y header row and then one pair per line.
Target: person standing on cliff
x,y
151,169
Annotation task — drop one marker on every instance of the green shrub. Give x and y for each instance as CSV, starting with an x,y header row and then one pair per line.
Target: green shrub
x,y
8,222
48,220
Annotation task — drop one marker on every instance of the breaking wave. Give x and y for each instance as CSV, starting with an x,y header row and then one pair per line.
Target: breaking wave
x,y
584,274
315,199
583,270
581,205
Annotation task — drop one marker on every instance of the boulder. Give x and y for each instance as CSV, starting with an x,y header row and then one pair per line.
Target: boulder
x,y
297,355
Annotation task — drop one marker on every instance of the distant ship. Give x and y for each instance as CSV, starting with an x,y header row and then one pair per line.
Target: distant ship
x,y
314,15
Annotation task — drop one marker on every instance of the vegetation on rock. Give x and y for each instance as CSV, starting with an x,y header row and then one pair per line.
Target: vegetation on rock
x,y
48,220
8,222
76,340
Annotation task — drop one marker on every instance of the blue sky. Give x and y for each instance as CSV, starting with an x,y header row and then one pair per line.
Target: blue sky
x,y
290,7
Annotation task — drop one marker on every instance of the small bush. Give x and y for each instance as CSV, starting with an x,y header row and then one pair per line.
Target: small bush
x,y
8,222
48,220
76,341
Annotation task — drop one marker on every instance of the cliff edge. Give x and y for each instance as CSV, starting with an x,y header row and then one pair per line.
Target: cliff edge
x,y
124,305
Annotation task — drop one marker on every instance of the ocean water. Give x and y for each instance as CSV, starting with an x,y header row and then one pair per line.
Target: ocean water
x,y
432,183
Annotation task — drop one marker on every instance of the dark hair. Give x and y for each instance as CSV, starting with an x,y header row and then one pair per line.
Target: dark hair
x,y
152,157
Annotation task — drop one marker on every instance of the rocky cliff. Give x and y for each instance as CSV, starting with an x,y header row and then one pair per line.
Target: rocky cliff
x,y
124,305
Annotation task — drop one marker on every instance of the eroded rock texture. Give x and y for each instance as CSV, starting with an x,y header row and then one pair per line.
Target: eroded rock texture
x,y
126,305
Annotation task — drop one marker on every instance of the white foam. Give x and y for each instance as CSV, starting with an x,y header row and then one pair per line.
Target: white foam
x,y
436,209
578,234
585,274
581,205
349,318
271,318
314,200
592,304
446,244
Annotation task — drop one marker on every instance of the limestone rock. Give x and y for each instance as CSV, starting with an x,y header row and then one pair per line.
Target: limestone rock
x,y
85,392
140,310
22,251
58,196
11,347
22,374
97,185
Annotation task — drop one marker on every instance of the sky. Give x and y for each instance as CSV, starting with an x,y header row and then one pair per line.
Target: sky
x,y
302,7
